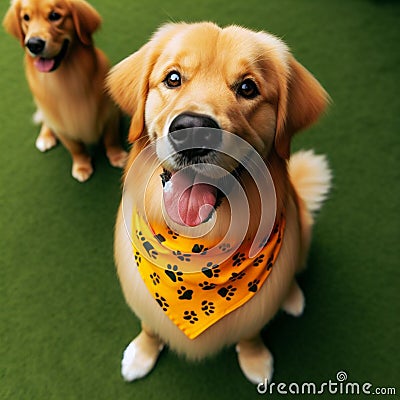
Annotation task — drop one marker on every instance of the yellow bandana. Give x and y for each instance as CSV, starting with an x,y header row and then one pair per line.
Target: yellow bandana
x,y
195,298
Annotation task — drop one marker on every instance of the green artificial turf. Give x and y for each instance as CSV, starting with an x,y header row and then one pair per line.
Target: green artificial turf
x,y
63,320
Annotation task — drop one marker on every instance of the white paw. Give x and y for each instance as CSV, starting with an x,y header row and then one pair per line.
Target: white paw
x,y
295,302
118,158
140,357
44,143
37,117
256,363
82,172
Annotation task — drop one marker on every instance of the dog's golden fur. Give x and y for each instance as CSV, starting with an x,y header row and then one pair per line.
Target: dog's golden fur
x,y
72,104
211,62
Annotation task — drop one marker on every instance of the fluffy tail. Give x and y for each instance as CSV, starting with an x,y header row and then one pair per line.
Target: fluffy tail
x,y
311,177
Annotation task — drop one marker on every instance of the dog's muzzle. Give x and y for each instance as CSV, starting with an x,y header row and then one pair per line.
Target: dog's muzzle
x,y
194,135
190,198
36,45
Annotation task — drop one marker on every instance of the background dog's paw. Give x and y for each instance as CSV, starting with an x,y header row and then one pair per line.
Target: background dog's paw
x,y
140,357
117,158
255,360
295,302
82,171
45,142
37,117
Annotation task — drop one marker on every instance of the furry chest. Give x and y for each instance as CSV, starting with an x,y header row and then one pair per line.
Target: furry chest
x,y
69,108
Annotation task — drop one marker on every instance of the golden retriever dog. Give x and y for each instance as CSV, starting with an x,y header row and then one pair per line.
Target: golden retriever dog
x,y
231,79
66,76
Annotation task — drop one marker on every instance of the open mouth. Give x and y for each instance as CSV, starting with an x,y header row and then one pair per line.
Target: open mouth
x,y
187,199
198,168
51,64
191,199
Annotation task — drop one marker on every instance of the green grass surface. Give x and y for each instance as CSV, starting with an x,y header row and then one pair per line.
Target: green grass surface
x,y
63,321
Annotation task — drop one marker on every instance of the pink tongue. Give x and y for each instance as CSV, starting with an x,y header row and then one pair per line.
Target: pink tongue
x,y
187,202
44,64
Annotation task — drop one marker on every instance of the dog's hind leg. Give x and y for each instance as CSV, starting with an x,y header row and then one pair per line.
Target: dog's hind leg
x,y
81,162
294,303
46,139
116,155
37,117
141,355
255,360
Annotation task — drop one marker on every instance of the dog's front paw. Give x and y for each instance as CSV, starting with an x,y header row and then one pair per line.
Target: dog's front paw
x,y
295,302
37,117
140,356
255,360
45,141
117,157
82,171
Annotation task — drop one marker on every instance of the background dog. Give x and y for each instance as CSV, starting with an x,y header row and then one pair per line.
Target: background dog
x,y
246,83
66,75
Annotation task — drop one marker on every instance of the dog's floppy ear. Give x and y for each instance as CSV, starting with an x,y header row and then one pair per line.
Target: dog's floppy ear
x,y
128,81
301,102
86,20
11,22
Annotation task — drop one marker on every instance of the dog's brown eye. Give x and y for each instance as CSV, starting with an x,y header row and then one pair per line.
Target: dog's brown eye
x,y
173,80
248,89
54,16
26,17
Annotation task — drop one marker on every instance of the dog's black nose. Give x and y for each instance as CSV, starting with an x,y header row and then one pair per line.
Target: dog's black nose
x,y
195,133
35,45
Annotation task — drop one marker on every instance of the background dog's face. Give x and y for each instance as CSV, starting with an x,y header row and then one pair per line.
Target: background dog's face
x,y
47,28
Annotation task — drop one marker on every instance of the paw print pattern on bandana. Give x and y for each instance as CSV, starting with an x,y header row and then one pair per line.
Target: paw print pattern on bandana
x,y
238,259
199,249
138,258
253,285
147,245
185,294
173,273
190,316
194,290
258,260
160,238
269,262
208,307
227,292
275,231
211,270
162,302
237,276
173,234
207,285
155,278
224,247
182,256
